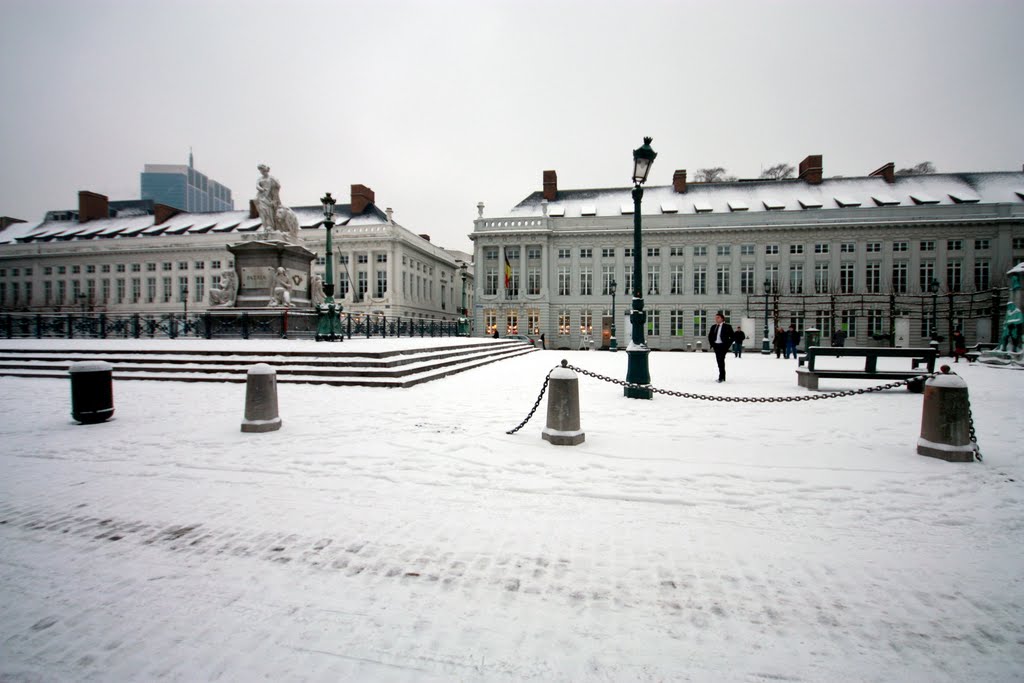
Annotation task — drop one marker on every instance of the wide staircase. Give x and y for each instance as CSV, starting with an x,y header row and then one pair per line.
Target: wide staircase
x,y
359,367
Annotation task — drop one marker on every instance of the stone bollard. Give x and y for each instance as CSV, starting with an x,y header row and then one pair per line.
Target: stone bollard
x,y
945,419
92,392
563,428
261,400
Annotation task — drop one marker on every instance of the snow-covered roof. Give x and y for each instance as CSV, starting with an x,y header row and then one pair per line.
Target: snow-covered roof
x,y
180,224
786,195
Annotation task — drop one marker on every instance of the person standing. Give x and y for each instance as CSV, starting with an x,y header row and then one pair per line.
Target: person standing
x,y
720,338
737,342
779,342
959,345
792,339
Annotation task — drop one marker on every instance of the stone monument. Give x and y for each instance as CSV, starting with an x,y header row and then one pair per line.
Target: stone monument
x,y
1010,351
272,266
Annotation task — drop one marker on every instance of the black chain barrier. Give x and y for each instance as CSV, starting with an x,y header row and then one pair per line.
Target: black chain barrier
x,y
743,399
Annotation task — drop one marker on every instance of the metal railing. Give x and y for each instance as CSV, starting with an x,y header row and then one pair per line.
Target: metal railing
x,y
281,324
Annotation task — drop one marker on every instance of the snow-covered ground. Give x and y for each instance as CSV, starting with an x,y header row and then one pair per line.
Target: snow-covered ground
x,y
402,535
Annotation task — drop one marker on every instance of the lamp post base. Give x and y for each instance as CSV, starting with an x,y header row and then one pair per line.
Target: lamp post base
x,y
613,345
463,328
638,373
328,326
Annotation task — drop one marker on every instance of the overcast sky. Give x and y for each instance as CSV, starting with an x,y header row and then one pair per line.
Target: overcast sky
x,y
439,105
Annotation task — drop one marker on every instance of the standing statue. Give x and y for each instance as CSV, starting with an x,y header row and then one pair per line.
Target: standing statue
x,y
280,289
1010,340
317,295
275,217
225,296
268,198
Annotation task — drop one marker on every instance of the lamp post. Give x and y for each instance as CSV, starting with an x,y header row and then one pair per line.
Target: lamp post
x,y
638,372
613,344
765,346
933,287
328,326
464,319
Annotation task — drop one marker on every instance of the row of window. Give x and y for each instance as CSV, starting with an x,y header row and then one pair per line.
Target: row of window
x,y
823,283
76,269
108,291
698,321
534,252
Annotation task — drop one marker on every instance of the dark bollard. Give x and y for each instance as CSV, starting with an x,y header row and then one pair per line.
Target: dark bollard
x,y
92,392
945,419
261,400
563,428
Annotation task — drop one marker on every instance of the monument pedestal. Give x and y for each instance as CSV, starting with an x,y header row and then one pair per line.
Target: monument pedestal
x,y
256,264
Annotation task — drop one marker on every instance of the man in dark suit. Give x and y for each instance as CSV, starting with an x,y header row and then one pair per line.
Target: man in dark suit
x,y
720,338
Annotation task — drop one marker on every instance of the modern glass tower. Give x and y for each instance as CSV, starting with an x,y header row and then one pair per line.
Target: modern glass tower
x,y
184,187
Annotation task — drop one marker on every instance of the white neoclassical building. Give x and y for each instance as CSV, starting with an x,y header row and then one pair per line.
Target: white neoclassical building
x,y
878,255
169,260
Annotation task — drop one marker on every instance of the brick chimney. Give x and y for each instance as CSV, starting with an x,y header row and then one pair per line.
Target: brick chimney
x,y
253,213
679,181
362,197
92,206
162,212
810,170
550,185
888,172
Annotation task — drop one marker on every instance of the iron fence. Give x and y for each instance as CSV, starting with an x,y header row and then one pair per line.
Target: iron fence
x,y
210,325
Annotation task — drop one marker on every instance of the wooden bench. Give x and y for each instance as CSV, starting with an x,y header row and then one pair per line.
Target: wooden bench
x,y
808,376
974,351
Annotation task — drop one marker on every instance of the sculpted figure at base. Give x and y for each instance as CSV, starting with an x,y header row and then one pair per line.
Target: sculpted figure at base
x,y
1013,327
275,217
225,296
281,289
317,295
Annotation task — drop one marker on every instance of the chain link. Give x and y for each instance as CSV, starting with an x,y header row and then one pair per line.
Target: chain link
x,y
536,403
974,435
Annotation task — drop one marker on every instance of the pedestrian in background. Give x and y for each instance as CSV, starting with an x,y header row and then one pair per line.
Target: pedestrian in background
x,y
779,341
737,342
720,338
792,339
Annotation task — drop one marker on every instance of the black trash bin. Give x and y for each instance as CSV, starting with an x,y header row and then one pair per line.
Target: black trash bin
x,y
92,393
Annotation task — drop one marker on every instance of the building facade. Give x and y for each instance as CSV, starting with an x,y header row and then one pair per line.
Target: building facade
x,y
183,187
906,257
168,261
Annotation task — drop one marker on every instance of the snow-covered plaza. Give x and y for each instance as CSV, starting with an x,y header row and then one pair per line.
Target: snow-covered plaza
x,y
402,535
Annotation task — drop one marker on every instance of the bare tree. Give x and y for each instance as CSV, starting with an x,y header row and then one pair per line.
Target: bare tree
x,y
713,175
920,169
778,172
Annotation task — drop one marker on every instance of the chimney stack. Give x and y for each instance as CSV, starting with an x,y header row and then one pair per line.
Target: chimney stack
x,y
162,212
424,236
362,197
679,181
811,170
92,206
887,171
550,185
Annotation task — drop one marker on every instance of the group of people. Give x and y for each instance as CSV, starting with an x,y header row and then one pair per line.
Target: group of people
x,y
785,342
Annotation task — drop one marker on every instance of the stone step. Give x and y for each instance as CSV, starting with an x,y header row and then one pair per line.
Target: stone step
x,y
403,368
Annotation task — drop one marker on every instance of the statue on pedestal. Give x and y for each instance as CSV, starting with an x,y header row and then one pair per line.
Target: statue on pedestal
x,y
280,289
225,295
317,295
278,221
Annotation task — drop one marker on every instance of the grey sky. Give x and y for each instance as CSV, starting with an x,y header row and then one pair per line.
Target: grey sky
x,y
438,105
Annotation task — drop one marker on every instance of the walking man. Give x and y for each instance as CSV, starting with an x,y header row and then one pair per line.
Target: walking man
x,y
720,338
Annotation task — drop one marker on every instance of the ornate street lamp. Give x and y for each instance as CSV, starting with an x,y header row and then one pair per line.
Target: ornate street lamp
x,y
464,317
933,287
613,344
638,371
765,346
328,326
